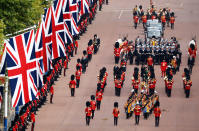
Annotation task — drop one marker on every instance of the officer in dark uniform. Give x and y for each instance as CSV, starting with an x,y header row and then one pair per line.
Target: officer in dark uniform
x,y
84,61
96,43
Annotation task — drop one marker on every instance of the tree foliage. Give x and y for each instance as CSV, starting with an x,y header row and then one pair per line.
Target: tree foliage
x,y
20,14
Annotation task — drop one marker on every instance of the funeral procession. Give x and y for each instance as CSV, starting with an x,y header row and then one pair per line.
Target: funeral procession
x,y
99,65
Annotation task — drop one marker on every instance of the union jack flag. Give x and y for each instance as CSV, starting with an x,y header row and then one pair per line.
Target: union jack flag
x,y
67,21
39,53
84,7
46,33
74,17
58,39
21,66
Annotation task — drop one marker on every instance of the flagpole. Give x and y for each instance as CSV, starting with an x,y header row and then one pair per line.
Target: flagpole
x,y
6,105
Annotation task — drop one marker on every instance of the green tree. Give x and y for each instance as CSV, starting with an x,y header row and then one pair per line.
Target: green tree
x,y
20,14
2,27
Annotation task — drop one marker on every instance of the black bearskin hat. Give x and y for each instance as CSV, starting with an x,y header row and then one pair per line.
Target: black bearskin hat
x,y
140,6
172,14
84,52
92,97
78,60
192,46
72,77
90,42
95,35
77,67
87,103
117,44
115,104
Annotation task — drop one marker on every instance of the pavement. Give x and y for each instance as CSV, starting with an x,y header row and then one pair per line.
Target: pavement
x,y
114,21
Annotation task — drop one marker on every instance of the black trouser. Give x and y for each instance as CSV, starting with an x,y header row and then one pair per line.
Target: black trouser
x,y
135,90
72,91
89,57
157,121
117,91
137,118
51,98
115,121
100,7
93,114
107,2
78,81
135,25
172,25
187,92
168,92
88,120
71,53
146,115
64,71
75,50
33,125
98,103
117,58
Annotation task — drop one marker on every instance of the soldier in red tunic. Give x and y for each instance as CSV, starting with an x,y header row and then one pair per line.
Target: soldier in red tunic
x,y
79,64
163,20
117,53
90,50
116,113
78,75
118,85
169,85
76,46
72,85
172,20
98,97
188,84
144,20
150,61
137,112
93,105
88,111
157,113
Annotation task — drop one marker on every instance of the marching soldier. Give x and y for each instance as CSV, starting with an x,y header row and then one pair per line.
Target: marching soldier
x,y
157,113
79,64
72,85
96,43
90,50
188,84
84,61
88,111
99,96
106,2
152,83
150,61
65,66
169,85
100,5
123,64
163,20
137,112
78,75
144,20
172,20
118,85
117,53
192,54
116,113
93,105
76,46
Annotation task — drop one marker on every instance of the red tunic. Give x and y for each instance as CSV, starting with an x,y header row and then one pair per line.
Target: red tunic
x,y
137,110
72,84
90,49
153,17
135,83
118,83
88,111
150,61
172,20
163,19
78,74
116,112
163,66
98,96
192,52
188,85
135,19
157,112
169,84
93,105
144,19
52,90
32,116
117,52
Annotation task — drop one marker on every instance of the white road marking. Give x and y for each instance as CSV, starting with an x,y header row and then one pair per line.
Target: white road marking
x,y
121,12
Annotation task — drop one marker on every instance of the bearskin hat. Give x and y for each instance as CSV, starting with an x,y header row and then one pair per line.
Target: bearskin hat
x,y
192,46
78,60
72,77
87,103
84,52
115,104
117,44
90,42
92,97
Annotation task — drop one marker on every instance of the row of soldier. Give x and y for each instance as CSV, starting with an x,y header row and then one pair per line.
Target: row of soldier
x,y
82,64
91,105
163,15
